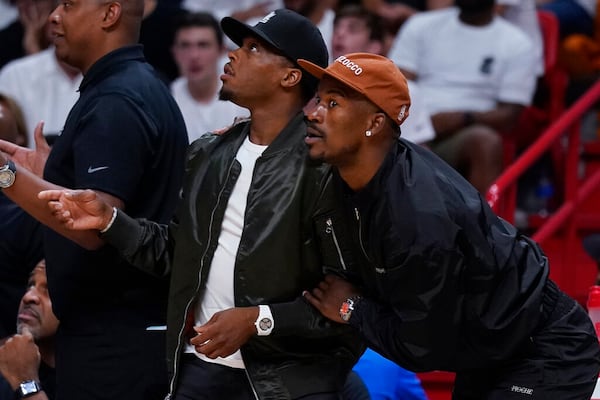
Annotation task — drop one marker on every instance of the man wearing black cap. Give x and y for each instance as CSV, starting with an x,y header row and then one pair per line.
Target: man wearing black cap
x,y
242,247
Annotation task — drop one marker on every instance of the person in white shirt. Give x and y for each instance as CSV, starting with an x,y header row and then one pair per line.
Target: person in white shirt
x,y
476,73
44,88
197,50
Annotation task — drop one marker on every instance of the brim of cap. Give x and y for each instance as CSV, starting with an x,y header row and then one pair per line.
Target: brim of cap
x,y
319,72
237,31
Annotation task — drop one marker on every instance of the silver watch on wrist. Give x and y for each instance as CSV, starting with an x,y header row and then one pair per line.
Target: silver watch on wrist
x,y
28,388
7,174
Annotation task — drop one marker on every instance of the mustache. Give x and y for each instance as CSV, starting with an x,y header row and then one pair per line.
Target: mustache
x,y
30,310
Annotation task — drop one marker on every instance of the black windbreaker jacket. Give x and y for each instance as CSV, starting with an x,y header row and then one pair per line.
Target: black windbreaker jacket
x,y
278,258
448,284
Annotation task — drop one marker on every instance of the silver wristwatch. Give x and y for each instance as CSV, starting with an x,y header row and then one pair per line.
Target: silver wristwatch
x,y
28,388
7,174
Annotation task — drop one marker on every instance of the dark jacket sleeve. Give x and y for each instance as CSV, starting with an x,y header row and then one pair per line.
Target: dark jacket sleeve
x,y
144,244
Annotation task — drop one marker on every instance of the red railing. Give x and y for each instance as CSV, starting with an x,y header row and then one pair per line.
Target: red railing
x,y
567,123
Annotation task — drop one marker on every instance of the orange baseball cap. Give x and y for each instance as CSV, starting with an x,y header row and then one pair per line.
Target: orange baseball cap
x,y
374,76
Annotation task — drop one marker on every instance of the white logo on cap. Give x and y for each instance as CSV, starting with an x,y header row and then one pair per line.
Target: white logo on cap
x,y
402,112
352,66
267,17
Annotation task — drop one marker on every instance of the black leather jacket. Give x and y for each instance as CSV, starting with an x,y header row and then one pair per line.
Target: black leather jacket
x,y
448,284
278,258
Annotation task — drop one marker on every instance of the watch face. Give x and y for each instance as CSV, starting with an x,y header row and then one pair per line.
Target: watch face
x,y
28,387
265,324
7,178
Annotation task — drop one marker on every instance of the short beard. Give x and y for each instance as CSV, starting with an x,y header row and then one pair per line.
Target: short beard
x,y
225,95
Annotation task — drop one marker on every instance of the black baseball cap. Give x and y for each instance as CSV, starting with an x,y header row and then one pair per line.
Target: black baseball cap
x,y
290,33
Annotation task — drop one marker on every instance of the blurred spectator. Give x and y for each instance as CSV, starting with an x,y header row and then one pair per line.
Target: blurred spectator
x,y
580,53
45,89
574,16
197,49
156,34
242,10
395,12
27,34
320,12
20,234
523,13
476,73
356,30
20,363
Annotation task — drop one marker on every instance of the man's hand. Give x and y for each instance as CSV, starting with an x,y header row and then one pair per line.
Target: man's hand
x,y
32,160
329,296
78,209
225,332
19,359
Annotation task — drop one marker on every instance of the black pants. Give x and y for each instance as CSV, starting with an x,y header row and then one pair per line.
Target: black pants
x,y
560,362
200,380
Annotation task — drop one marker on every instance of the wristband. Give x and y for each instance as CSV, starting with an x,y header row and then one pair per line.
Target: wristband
x,y
111,222
27,388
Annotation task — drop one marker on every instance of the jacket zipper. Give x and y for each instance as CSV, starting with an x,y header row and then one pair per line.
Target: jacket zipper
x,y
360,241
335,241
187,307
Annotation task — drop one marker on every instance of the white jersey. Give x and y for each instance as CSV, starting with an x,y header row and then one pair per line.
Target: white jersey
x,y
466,67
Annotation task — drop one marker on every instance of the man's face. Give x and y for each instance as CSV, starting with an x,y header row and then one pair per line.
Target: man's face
x,y
196,52
350,35
253,72
74,26
337,123
35,310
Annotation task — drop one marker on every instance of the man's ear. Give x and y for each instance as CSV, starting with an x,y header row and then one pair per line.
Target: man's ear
x,y
292,77
112,14
378,122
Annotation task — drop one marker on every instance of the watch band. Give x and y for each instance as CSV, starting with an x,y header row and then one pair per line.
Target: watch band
x,y
27,388
264,323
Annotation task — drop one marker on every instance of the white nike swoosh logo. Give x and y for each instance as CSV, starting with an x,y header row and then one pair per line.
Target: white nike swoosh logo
x,y
92,170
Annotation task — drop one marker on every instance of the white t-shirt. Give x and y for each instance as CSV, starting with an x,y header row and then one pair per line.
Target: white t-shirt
x,y
466,67
204,117
523,13
218,294
42,89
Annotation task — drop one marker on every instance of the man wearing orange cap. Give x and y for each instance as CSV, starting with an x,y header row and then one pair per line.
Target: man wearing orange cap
x,y
443,283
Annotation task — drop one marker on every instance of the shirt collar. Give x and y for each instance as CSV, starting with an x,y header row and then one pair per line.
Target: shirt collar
x,y
103,66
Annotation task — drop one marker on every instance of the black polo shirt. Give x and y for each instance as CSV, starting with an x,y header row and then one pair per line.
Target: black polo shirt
x,y
20,251
125,136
